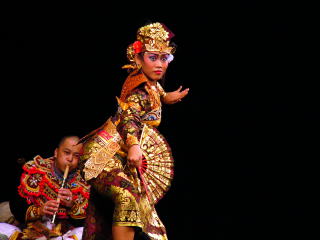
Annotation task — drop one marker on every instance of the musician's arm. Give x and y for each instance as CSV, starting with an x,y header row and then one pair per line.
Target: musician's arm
x,y
33,213
77,215
22,211
78,211
80,201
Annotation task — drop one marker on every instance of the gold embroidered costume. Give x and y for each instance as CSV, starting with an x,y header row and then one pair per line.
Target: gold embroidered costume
x,y
134,192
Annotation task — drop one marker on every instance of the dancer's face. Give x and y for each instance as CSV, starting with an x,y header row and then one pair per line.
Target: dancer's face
x,y
68,153
154,64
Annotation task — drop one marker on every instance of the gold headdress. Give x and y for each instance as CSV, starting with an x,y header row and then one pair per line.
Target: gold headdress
x,y
154,37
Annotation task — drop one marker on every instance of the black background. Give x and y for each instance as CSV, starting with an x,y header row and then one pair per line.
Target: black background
x,y
245,139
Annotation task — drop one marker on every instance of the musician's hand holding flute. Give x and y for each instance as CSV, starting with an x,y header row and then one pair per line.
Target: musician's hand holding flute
x,y
64,197
50,207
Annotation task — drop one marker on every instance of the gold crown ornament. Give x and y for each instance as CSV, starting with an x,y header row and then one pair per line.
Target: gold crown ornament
x,y
154,37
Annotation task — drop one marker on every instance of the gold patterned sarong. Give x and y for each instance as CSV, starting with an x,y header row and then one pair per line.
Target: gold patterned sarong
x,y
106,169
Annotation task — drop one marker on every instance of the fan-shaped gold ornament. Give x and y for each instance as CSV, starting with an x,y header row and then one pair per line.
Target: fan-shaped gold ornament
x,y
157,164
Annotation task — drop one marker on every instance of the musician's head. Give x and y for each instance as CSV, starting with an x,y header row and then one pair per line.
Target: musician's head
x,y
68,153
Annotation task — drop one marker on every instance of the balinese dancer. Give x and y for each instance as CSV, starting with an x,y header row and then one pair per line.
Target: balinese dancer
x,y
118,155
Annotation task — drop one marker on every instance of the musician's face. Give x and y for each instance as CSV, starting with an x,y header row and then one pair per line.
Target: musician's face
x,y
68,153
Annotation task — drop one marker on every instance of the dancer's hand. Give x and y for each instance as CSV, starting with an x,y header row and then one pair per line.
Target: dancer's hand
x,y
175,96
135,155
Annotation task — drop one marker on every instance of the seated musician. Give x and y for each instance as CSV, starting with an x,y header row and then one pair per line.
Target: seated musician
x,y
46,210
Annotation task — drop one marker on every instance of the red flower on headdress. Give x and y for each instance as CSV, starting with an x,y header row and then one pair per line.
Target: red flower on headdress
x,y
137,47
